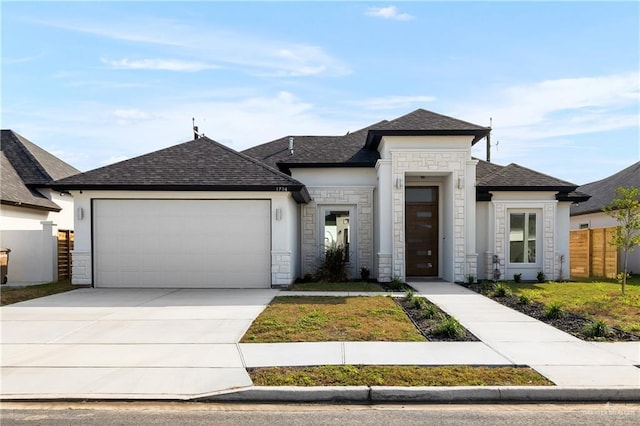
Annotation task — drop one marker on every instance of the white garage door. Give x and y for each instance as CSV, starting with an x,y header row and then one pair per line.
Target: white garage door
x,y
182,243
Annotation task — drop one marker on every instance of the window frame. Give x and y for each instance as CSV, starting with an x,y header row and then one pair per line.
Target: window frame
x,y
538,237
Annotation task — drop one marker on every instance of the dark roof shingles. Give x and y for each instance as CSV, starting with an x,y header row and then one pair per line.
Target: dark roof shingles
x,y
13,190
603,191
200,163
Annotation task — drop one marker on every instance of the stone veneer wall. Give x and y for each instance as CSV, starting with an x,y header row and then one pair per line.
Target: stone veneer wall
x,y
432,162
550,265
362,198
281,269
81,268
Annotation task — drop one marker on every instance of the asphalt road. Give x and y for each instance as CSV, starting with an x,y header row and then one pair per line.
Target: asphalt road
x,y
106,414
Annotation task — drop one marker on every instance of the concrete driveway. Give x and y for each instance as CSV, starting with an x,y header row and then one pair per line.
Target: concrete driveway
x,y
127,343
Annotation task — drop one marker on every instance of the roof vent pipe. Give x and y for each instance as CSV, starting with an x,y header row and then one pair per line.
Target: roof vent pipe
x,y
291,140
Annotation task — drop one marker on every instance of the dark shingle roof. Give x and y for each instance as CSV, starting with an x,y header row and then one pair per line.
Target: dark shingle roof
x,y
603,191
25,167
423,122
34,165
359,148
13,190
201,164
347,150
493,177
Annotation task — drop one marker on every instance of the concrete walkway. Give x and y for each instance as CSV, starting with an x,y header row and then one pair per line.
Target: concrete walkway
x,y
561,357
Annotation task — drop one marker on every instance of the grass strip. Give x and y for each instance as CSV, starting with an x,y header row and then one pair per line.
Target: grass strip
x,y
397,375
9,295
327,319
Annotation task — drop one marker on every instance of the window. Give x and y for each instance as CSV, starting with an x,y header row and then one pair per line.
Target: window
x,y
522,237
336,229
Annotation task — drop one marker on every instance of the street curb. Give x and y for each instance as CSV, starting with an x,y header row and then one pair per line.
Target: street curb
x,y
462,394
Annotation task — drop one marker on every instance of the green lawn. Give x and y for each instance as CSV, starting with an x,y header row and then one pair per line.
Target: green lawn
x,y
9,295
347,286
397,375
320,319
596,299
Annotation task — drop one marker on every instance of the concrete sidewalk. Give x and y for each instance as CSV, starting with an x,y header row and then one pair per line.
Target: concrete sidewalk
x,y
561,357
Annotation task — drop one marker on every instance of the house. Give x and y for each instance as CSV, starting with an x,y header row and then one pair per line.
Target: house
x,y
31,212
405,196
589,214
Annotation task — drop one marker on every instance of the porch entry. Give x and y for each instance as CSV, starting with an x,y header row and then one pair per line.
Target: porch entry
x,y
421,231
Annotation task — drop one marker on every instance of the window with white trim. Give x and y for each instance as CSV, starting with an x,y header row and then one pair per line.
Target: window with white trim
x,y
523,237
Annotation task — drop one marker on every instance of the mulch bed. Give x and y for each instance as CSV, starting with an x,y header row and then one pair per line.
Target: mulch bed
x,y
427,326
569,323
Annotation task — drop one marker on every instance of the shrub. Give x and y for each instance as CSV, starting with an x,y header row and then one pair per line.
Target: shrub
x,y
524,299
598,328
396,283
419,303
502,290
486,286
449,327
364,274
517,278
410,296
470,279
334,264
554,310
541,277
430,312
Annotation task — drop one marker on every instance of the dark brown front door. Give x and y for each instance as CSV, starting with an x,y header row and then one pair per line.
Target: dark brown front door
x,y
421,231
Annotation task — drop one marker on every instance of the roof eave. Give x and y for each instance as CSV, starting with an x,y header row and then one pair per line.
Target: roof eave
x,y
286,167
375,136
30,206
565,189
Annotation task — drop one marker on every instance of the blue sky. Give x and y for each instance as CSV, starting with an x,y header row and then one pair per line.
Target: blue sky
x,y
96,83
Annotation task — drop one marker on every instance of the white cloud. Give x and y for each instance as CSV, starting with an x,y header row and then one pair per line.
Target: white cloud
x,y
560,107
392,102
251,53
128,116
389,12
159,64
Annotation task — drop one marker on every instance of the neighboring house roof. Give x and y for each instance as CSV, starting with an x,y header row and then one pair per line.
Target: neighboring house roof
x,y
603,191
359,148
199,165
26,167
513,177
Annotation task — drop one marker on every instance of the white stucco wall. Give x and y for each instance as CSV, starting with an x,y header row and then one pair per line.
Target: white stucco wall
x,y
284,232
31,234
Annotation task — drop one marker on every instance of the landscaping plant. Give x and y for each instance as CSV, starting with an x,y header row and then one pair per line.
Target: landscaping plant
x,y
554,310
502,290
449,327
334,263
517,278
626,210
396,283
541,277
597,328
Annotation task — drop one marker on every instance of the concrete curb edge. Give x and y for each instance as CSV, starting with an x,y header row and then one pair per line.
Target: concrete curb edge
x,y
462,394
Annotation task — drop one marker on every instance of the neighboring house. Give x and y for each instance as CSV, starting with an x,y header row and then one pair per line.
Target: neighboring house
x,y
405,196
589,214
31,213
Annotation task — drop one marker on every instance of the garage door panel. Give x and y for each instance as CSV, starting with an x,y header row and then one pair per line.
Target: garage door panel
x,y
182,243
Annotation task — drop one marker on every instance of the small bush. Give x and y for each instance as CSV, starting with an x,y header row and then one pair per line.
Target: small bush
x,y
598,328
410,296
334,264
541,277
419,303
470,279
502,290
365,273
554,310
486,286
396,283
449,327
430,312
524,299
517,278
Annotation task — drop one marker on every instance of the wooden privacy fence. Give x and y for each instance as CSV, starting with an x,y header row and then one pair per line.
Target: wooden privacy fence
x,y
591,253
65,245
